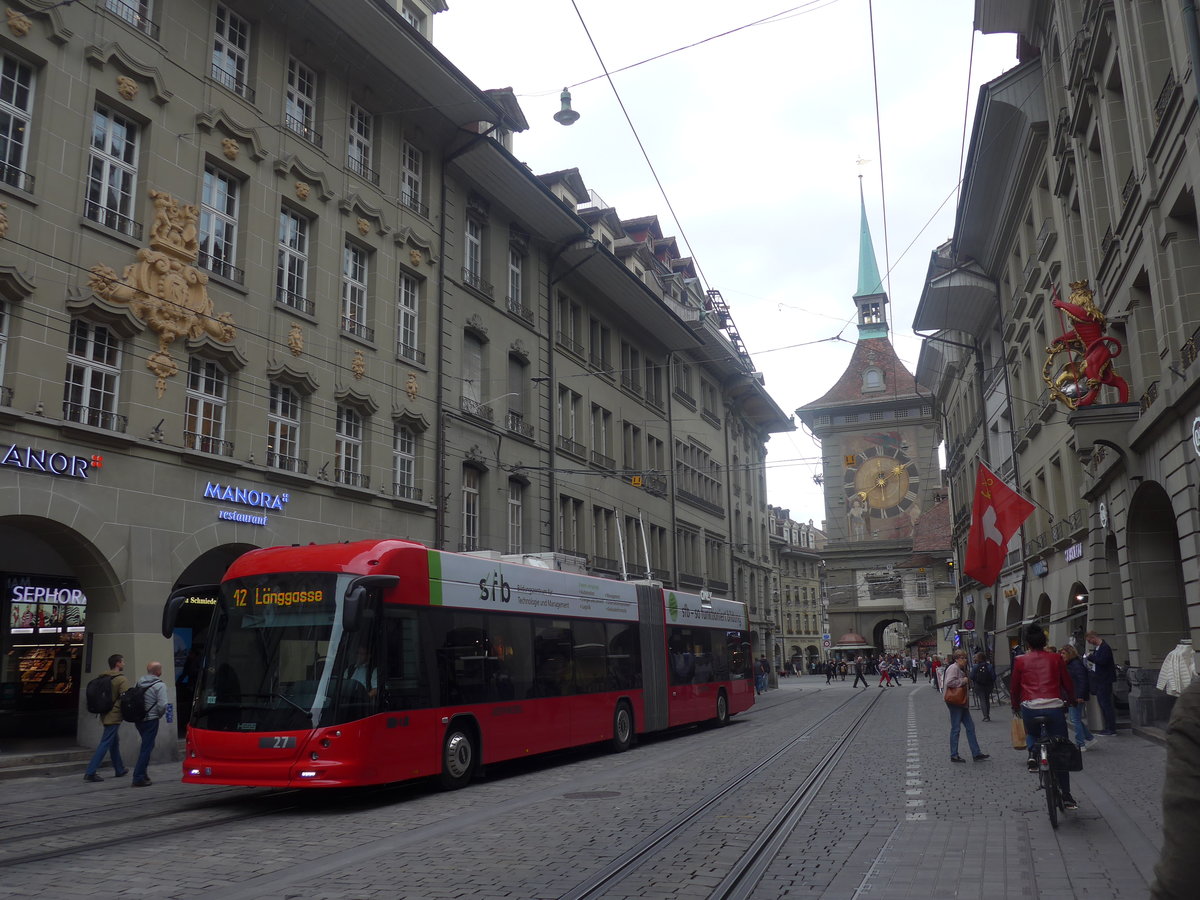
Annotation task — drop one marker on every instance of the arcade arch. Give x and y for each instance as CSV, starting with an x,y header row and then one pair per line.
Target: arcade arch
x,y
1156,575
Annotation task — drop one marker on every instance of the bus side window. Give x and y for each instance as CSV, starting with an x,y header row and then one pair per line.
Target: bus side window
x,y
720,655
406,681
624,659
552,645
702,650
681,660
588,656
510,676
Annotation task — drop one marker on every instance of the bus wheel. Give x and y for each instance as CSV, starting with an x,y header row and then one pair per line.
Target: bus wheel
x,y
459,757
622,738
722,718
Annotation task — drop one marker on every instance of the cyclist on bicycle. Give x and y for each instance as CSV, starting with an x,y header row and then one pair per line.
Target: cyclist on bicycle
x,y
1040,685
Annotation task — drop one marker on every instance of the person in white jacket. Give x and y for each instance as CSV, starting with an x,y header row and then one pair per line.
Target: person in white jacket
x,y
156,707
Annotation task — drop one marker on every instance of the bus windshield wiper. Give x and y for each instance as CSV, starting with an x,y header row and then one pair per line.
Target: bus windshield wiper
x,y
291,702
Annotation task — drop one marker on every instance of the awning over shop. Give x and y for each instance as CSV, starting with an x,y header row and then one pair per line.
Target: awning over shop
x,y
1073,613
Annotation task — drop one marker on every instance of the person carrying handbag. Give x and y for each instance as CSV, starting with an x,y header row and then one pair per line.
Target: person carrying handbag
x,y
954,692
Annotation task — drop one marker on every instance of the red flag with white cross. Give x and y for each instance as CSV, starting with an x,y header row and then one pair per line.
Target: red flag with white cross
x,y
996,514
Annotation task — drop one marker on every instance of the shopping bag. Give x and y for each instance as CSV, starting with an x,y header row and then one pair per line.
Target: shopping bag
x,y
1018,733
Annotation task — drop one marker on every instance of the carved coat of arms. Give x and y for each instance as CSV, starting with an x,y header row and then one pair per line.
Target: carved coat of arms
x,y
164,288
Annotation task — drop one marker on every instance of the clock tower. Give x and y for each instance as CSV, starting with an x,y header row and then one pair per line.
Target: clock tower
x,y
880,472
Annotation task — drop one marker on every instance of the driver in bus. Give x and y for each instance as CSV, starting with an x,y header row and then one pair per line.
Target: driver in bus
x,y
364,673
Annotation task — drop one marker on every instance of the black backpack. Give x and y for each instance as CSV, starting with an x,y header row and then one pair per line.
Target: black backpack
x,y
983,675
99,694
133,702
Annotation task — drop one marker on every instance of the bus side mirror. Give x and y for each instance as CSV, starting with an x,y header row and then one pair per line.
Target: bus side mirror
x,y
356,597
183,595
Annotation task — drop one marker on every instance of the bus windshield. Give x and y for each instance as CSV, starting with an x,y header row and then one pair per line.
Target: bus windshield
x,y
270,666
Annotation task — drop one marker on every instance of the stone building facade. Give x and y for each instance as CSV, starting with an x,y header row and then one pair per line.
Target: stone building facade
x,y
1080,186
796,558
272,278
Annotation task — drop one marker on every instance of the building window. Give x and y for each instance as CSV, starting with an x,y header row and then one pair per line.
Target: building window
x,y
204,410
472,372
354,292
135,12
413,17
4,399
473,259
922,585
219,224
568,413
516,267
291,272
631,367
407,320
412,177
602,538
470,508
600,354
872,380
300,110
93,375
283,430
16,114
348,448
516,516
112,174
404,463
570,515
231,52
602,437
358,151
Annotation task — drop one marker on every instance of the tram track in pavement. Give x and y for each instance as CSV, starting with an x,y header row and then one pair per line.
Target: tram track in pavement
x,y
151,824
746,872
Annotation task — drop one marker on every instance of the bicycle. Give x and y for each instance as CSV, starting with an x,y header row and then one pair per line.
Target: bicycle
x,y
1053,755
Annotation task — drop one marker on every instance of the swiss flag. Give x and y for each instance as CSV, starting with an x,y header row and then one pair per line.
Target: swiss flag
x,y
996,515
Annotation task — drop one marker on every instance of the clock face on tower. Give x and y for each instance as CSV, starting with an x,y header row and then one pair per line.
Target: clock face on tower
x,y
883,483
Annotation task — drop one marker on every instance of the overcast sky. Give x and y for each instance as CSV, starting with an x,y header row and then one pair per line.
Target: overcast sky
x,y
758,138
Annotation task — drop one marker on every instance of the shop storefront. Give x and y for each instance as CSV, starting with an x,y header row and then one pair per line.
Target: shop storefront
x,y
43,646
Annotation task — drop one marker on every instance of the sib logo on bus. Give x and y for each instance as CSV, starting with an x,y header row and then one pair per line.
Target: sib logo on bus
x,y
673,606
496,589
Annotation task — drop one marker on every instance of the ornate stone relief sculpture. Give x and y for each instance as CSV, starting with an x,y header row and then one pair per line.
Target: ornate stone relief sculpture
x,y
164,288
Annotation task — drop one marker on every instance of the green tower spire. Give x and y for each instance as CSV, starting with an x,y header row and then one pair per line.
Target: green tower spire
x,y
870,298
869,281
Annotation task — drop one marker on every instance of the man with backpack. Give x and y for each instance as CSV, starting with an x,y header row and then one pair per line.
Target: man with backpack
x,y
983,677
102,694
144,705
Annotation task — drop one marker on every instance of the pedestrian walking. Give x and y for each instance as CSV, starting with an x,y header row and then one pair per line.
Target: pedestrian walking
x,y
764,671
1084,739
933,672
957,681
983,679
1039,684
1104,674
110,739
156,706
860,669
1178,871
885,674
830,668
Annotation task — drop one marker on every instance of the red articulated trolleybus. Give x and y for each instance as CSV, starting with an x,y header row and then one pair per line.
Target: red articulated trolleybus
x,y
382,660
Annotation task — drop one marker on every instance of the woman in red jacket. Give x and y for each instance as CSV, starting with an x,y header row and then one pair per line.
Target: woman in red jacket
x,y
1040,685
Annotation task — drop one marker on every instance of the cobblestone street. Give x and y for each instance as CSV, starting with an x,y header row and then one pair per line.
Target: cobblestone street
x,y
896,819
